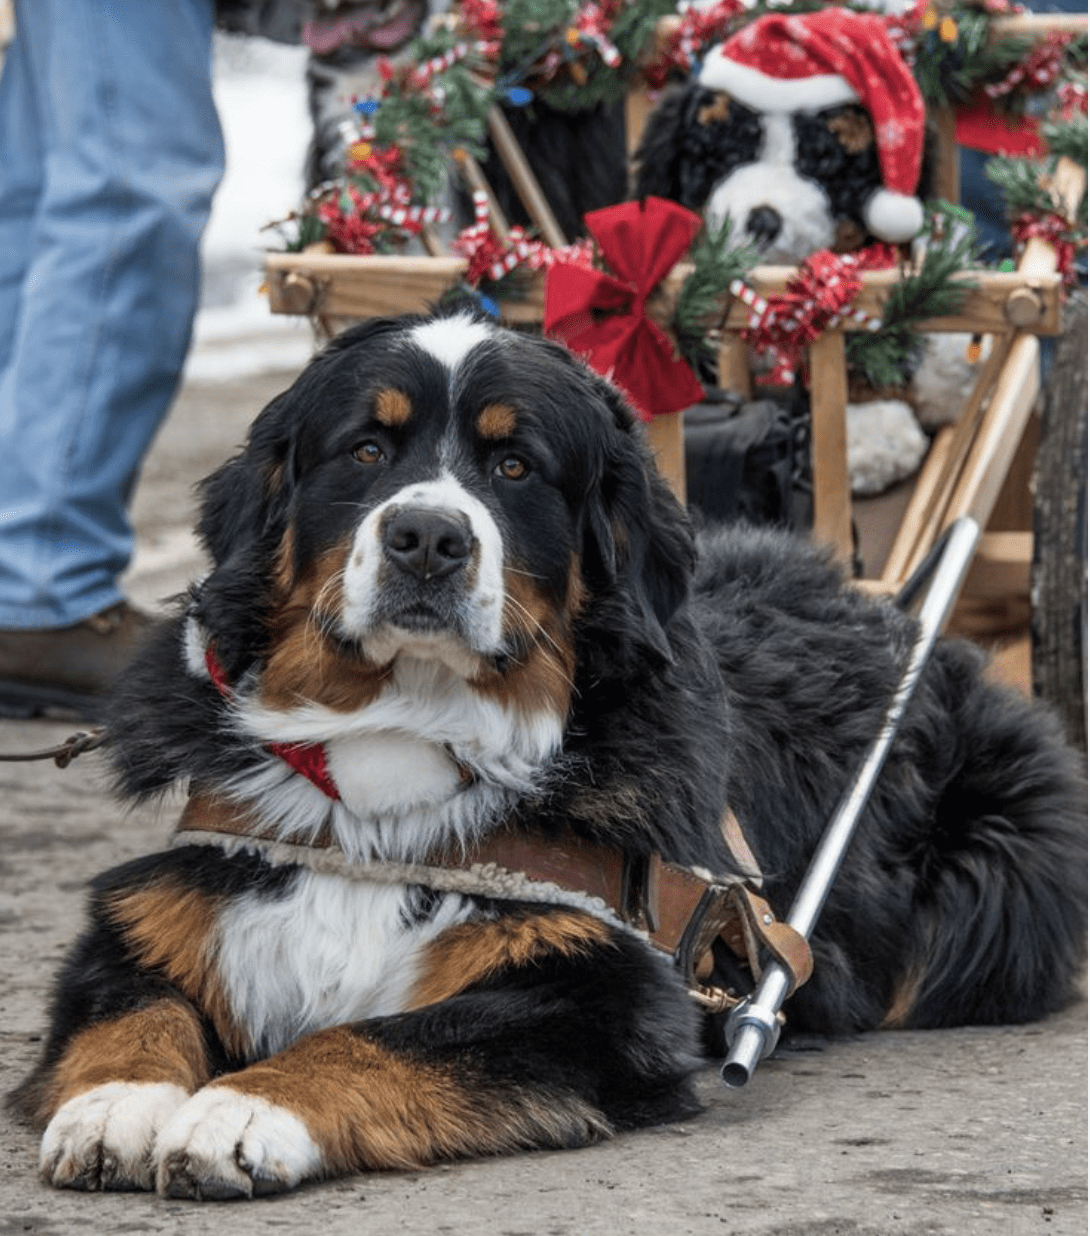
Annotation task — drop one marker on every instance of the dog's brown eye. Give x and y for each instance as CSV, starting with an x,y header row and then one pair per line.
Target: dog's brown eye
x,y
369,453
512,468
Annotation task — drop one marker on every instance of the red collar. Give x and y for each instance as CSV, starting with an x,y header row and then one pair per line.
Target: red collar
x,y
308,759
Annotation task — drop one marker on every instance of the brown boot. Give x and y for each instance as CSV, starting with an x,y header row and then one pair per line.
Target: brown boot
x,y
68,670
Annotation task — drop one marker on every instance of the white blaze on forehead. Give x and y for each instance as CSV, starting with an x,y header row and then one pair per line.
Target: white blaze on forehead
x,y
450,340
779,143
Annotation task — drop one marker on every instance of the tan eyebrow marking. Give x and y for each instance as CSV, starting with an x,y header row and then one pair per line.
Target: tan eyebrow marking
x,y
392,408
496,421
853,130
717,110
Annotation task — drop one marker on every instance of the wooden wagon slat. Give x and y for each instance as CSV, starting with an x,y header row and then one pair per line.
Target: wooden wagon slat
x,y
362,286
935,483
832,516
1036,26
968,463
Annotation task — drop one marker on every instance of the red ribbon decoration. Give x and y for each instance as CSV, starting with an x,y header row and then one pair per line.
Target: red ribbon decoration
x,y
820,292
1057,231
602,317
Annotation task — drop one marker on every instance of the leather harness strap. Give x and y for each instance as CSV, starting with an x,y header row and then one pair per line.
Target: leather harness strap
x,y
682,911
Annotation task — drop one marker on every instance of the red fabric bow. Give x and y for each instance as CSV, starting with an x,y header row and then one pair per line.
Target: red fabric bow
x,y
602,317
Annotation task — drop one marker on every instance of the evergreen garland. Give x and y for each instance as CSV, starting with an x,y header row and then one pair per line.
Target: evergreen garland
x,y
1019,181
1066,138
427,127
954,55
576,54
888,357
1032,211
716,265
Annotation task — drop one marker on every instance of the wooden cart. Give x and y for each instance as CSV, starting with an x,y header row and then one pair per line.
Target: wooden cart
x,y
979,465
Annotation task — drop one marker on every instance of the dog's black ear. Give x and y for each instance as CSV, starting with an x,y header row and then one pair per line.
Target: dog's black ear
x,y
659,154
637,540
243,518
246,505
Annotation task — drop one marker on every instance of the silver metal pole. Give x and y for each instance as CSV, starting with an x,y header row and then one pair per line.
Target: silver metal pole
x,y
754,1026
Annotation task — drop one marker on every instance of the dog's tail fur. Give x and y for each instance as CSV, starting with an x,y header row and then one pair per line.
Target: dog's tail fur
x,y
999,921
963,893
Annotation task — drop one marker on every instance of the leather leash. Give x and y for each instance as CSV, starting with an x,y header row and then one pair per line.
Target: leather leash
x,y
681,911
63,753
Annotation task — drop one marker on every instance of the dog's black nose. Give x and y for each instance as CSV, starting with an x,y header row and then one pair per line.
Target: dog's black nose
x,y
763,224
427,543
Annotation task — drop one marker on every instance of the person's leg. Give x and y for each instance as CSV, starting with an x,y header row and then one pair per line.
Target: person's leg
x,y
21,176
132,156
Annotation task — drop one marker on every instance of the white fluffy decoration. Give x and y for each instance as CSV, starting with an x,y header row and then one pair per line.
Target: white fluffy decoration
x,y
893,216
944,378
885,445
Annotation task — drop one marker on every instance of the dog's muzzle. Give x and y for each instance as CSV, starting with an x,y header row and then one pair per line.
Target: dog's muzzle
x,y
429,562
426,543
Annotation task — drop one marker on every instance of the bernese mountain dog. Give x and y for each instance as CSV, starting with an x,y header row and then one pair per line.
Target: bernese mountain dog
x,y
450,601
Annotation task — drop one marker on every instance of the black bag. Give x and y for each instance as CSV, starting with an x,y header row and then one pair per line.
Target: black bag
x,y
747,461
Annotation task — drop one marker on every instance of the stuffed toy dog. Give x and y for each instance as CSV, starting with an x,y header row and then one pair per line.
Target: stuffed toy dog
x,y
807,132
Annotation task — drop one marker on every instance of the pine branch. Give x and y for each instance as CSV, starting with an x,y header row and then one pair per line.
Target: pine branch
x,y
889,356
1019,181
716,264
1067,137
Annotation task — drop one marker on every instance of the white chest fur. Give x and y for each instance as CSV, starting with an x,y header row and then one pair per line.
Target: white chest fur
x,y
429,762
330,951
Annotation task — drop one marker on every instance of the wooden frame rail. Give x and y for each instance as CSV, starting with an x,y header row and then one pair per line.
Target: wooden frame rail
x,y
968,461
335,285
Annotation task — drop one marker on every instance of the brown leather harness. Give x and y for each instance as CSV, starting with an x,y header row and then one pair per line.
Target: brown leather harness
x,y
681,911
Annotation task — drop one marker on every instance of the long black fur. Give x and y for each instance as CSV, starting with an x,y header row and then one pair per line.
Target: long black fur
x,y
734,667
759,680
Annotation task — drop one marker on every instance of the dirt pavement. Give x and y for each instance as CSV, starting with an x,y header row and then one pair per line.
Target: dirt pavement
x,y
976,1132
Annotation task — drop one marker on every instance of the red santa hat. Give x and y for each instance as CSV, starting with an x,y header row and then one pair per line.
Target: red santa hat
x,y
782,63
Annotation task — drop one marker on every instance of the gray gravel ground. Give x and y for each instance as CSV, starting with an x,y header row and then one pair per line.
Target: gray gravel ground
x,y
974,1132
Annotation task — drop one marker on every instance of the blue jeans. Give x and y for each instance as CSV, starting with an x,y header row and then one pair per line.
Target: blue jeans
x,y
110,152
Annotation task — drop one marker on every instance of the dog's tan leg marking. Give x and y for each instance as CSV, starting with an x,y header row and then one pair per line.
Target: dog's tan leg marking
x,y
337,1102
114,1087
470,952
172,929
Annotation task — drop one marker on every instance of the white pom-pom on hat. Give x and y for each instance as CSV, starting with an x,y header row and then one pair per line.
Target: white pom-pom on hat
x,y
895,217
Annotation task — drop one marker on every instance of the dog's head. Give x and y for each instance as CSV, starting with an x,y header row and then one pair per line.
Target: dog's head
x,y
791,182
443,490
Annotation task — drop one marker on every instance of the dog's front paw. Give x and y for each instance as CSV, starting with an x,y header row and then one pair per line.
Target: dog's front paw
x,y
224,1144
104,1138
